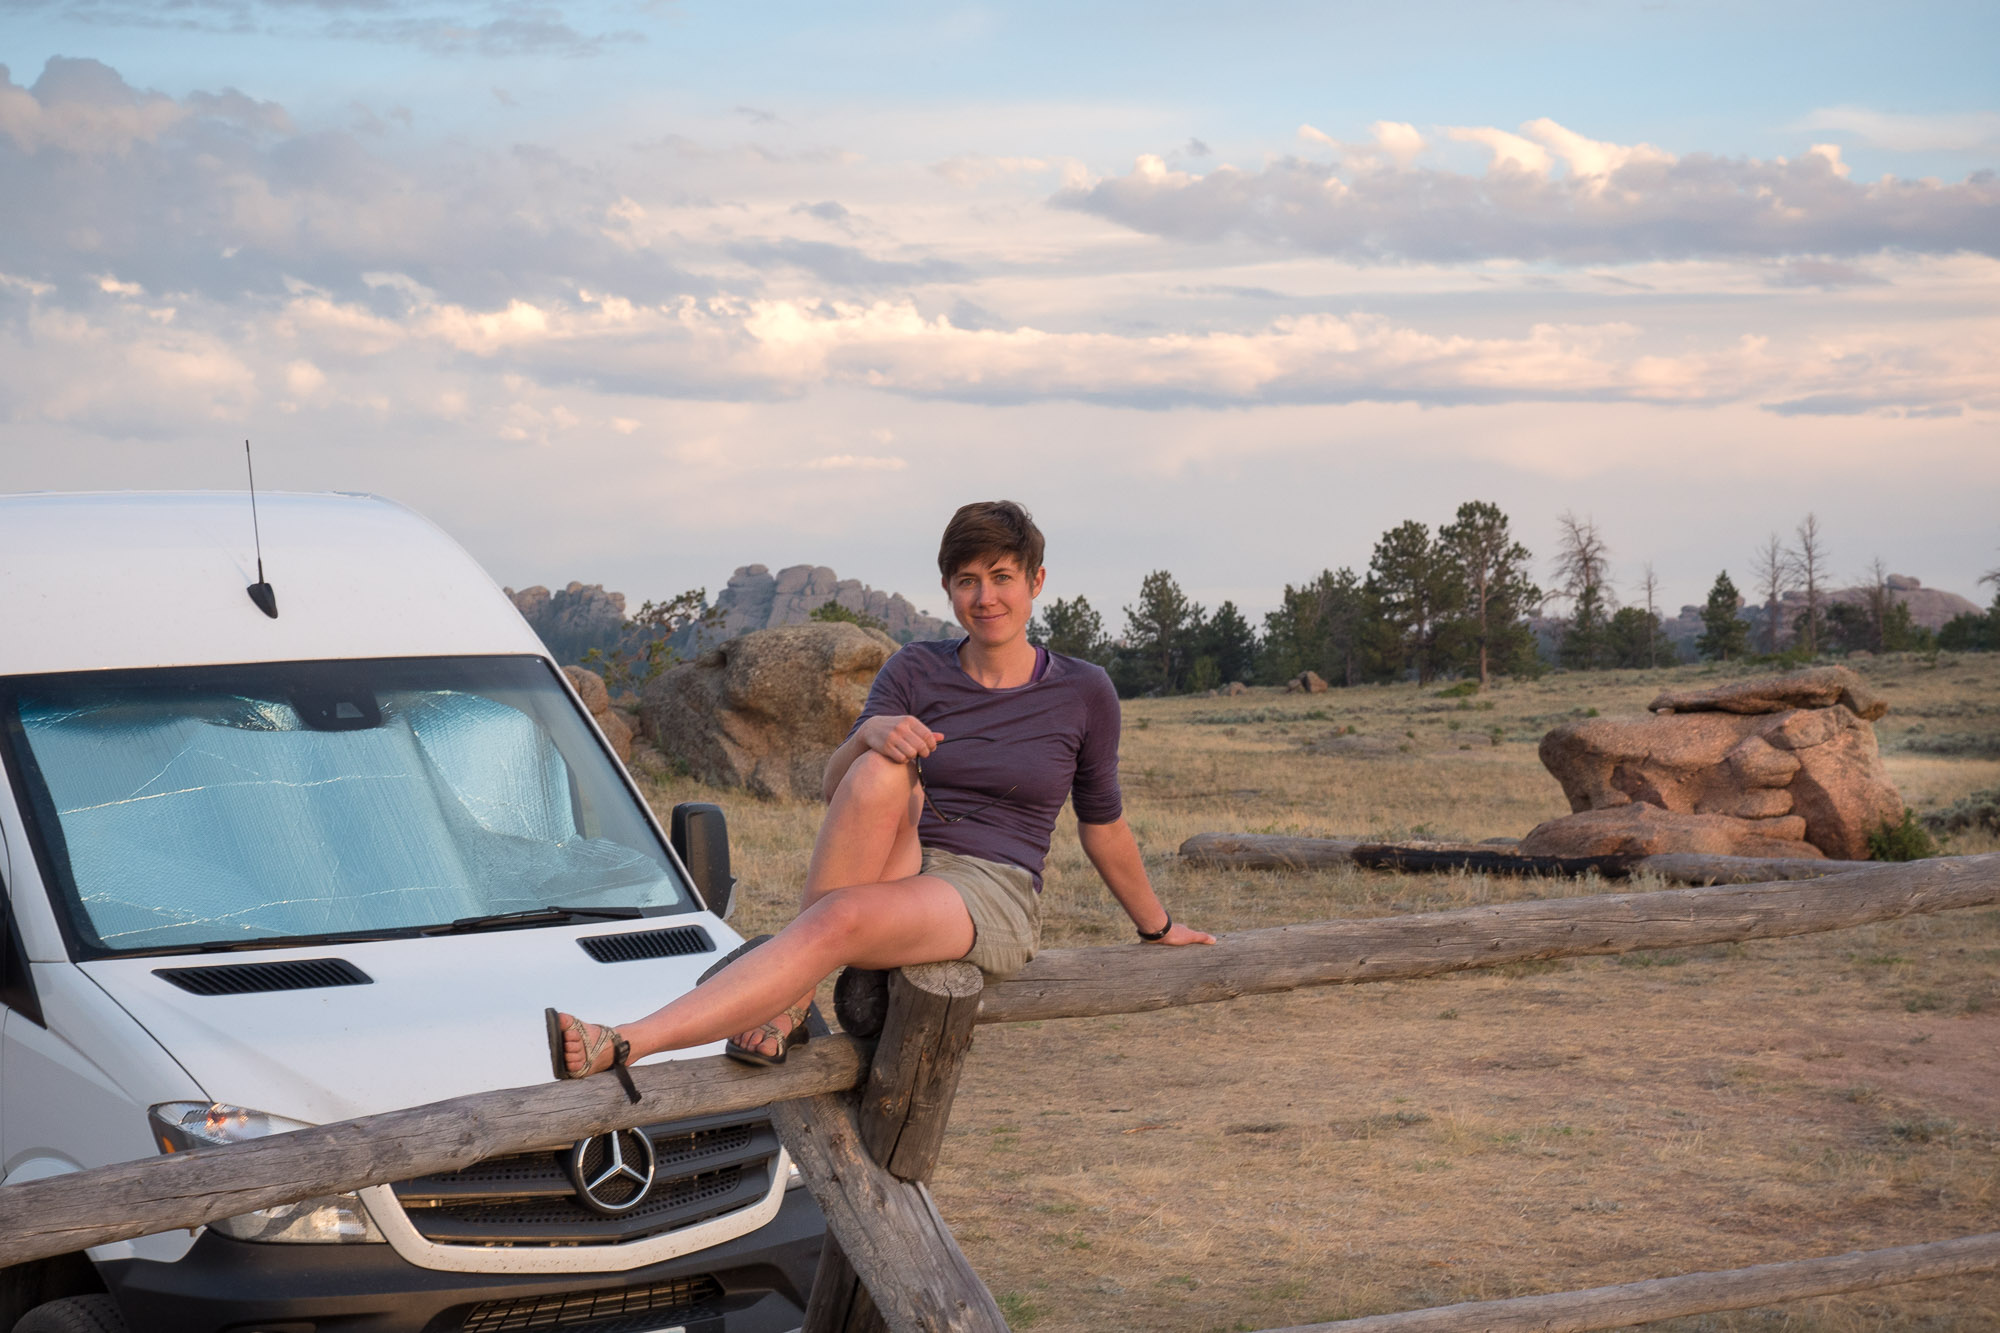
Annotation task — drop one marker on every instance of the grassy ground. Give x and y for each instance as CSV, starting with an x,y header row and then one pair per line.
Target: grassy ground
x,y
1306,1157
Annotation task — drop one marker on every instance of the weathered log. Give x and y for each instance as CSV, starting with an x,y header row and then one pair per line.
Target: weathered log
x,y
888,1229
1690,1294
1267,851
1262,851
64,1213
861,1002
1391,856
1694,868
927,1015
906,1102
1131,978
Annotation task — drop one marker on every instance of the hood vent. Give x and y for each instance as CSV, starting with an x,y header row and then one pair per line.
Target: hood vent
x,y
677,942
258,978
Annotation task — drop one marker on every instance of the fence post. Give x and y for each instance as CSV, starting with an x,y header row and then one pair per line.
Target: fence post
x,y
926,1015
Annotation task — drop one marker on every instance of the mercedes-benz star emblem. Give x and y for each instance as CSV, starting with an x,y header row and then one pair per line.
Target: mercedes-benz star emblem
x,y
613,1173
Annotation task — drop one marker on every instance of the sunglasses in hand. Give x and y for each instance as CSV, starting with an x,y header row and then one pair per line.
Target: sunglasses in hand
x,y
931,805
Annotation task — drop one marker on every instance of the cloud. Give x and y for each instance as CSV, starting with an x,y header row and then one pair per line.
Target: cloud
x,y
857,463
843,265
826,210
201,361
1950,132
219,193
1824,274
1612,203
504,29
972,169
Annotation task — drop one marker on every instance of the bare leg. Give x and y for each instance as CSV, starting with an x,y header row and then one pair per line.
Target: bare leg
x,y
870,831
864,904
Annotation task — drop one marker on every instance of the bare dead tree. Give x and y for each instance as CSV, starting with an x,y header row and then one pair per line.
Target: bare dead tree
x,y
1773,574
1582,569
1649,584
1808,559
1878,601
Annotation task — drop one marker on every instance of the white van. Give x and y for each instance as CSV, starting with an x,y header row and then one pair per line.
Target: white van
x,y
270,871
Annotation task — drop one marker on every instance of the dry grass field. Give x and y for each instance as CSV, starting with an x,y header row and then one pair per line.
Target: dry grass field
x,y
1355,1150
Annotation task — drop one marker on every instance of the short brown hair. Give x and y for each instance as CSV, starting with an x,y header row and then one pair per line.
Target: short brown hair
x,y
987,530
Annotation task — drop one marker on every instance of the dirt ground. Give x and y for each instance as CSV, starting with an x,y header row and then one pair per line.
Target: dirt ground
x,y
1307,1157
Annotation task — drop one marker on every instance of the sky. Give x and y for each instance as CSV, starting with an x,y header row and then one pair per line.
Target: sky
x,y
635,293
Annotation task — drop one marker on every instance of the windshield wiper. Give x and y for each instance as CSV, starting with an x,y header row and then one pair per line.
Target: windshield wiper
x,y
265,942
533,916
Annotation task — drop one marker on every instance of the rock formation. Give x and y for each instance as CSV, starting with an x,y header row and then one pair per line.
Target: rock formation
x,y
1306,682
757,599
1777,766
1930,608
765,710
613,722
1639,829
571,622
1815,687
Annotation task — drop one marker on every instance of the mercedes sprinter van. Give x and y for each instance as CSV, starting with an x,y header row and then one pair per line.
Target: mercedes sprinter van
x,y
324,850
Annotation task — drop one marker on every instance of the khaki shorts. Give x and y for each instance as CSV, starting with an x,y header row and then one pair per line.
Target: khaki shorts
x,y
1006,911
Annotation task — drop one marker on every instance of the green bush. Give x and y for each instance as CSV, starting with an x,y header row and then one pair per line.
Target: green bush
x,y
1907,841
1465,689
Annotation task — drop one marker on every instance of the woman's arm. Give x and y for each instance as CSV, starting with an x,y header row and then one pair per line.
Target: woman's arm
x,y
899,738
1115,852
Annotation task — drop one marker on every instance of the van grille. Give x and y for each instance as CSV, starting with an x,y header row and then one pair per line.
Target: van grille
x,y
705,1168
676,942
691,1301
256,978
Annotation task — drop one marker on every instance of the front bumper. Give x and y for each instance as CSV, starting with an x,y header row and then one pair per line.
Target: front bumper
x,y
757,1283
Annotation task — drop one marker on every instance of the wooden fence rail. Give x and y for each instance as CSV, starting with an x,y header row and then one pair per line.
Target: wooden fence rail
x,y
1075,983
866,1158
1689,1294
71,1212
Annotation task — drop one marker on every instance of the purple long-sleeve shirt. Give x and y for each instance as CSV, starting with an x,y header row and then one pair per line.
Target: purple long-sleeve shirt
x,y
1009,758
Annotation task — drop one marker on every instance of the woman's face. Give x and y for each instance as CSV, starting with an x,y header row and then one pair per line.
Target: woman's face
x,y
993,598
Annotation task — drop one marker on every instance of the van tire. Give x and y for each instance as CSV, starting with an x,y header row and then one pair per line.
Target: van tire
x,y
74,1314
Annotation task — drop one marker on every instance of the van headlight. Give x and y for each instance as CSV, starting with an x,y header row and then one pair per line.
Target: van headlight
x,y
331,1219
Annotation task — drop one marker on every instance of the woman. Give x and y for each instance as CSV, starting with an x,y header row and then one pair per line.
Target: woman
x,y
941,803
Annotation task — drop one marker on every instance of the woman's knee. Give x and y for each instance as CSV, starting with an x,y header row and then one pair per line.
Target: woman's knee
x,y
837,918
877,777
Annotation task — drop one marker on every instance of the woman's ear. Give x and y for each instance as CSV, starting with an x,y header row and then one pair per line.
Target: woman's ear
x,y
1040,576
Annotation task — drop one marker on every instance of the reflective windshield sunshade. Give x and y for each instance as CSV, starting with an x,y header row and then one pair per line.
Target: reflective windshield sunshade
x,y
224,805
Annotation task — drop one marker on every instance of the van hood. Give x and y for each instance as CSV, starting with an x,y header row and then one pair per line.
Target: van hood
x,y
440,1016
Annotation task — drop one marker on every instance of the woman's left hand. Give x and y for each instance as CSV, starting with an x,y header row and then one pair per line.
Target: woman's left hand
x,y
1180,934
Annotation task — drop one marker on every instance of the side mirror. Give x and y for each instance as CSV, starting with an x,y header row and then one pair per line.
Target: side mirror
x,y
700,836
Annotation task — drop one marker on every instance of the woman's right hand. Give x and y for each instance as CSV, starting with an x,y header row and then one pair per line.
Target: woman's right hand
x,y
899,738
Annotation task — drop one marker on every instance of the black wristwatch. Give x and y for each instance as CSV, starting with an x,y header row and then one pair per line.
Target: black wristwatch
x,y
1155,936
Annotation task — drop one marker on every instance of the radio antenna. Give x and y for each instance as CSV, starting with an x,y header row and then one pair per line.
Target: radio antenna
x,y
260,592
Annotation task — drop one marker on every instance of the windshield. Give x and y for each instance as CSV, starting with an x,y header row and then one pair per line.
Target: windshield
x,y
225,805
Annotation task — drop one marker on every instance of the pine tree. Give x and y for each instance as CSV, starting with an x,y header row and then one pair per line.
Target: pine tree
x,y
1229,643
1421,587
1630,636
1160,634
1071,627
1724,635
1318,626
1498,592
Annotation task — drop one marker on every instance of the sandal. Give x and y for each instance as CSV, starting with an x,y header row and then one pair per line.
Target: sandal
x,y
621,1050
798,1035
